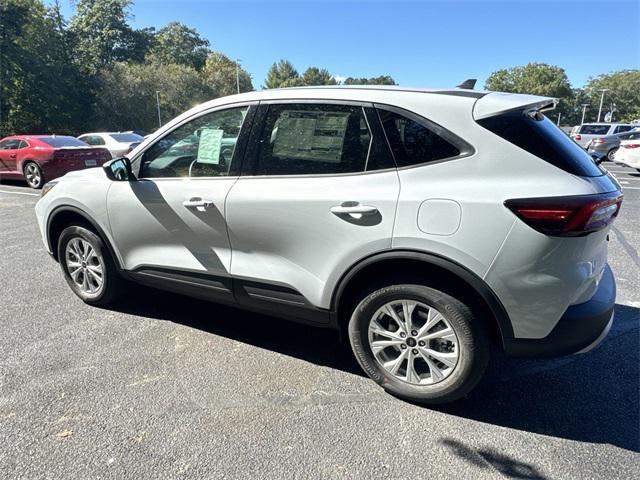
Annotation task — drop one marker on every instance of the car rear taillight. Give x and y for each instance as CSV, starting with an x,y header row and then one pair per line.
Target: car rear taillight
x,y
567,216
577,137
597,141
631,145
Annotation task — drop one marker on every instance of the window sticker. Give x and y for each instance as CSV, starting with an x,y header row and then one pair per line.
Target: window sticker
x,y
309,135
209,146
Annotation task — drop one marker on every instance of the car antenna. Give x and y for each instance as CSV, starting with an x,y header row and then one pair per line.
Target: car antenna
x,y
468,84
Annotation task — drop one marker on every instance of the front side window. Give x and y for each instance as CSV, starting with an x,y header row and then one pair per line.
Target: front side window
x,y
413,143
93,140
11,144
202,147
307,139
623,128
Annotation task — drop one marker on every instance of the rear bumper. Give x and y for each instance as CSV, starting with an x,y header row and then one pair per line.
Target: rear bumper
x,y
581,328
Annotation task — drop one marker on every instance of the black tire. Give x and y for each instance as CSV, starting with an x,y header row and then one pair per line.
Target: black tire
x,y
471,335
34,182
112,281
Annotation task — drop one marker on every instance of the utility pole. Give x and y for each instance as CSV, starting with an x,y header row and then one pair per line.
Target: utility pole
x,y
238,74
158,105
559,115
584,111
601,100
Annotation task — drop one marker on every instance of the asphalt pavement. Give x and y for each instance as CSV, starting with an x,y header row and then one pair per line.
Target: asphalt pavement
x,y
165,386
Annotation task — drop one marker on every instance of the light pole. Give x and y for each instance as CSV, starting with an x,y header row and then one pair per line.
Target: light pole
x,y
158,105
584,111
238,74
601,100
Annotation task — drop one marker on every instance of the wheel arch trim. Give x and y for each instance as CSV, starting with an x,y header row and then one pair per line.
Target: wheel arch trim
x,y
474,281
99,230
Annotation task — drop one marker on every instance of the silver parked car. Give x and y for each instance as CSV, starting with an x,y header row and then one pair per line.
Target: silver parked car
x,y
423,224
588,131
608,145
118,143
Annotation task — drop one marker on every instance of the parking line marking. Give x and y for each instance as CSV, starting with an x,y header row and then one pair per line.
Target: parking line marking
x,y
20,193
631,188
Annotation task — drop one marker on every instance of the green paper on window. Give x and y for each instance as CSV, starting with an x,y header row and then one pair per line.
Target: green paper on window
x,y
209,146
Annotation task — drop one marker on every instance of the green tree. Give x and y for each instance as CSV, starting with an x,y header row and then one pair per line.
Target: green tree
x,y
219,73
177,43
380,80
126,94
41,88
102,32
624,92
313,76
281,74
533,78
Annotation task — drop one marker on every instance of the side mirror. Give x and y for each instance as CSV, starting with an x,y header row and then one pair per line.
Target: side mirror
x,y
119,170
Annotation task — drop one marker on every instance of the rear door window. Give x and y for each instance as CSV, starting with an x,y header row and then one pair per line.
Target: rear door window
x,y
313,139
623,128
594,129
539,136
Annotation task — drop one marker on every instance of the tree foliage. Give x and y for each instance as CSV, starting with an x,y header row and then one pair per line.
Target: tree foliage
x,y
177,43
381,80
533,78
624,92
281,74
219,73
127,96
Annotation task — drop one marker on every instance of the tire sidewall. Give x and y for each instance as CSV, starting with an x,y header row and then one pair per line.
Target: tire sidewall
x,y
471,361
96,243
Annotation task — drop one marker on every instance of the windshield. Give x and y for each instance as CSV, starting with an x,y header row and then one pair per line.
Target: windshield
x,y
61,141
126,137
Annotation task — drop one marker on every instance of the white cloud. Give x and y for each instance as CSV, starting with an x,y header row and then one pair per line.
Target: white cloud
x,y
339,78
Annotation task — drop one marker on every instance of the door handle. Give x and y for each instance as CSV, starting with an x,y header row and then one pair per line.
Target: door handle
x,y
13,155
351,208
197,202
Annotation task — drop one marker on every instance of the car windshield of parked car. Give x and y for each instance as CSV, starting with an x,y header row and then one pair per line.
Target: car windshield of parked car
x,y
202,147
58,141
126,137
594,129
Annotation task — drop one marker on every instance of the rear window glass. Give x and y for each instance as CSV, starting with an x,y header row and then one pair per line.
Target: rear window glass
x,y
413,143
540,137
594,129
125,137
59,141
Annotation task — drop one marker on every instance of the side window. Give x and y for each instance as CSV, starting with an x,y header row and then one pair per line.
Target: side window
x,y
623,128
304,139
97,140
413,143
202,147
23,144
10,144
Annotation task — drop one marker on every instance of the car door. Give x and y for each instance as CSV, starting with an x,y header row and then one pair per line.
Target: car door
x,y
9,154
169,225
319,193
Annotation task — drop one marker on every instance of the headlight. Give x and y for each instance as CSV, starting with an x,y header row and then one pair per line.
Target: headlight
x,y
47,187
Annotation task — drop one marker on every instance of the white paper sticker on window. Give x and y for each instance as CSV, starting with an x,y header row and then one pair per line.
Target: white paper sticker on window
x,y
209,146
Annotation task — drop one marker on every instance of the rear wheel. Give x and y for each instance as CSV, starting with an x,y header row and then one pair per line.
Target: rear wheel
x,y
419,343
611,154
88,266
33,175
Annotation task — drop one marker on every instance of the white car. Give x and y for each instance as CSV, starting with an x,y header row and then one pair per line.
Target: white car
x,y
628,154
423,224
118,143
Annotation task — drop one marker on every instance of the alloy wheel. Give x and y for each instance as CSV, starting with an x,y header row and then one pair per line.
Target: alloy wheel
x,y
413,342
33,175
84,266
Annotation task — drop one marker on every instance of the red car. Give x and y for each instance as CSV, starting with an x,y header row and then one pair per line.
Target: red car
x,y
40,158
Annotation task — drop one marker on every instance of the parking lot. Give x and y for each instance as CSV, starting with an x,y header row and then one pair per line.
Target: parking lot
x,y
165,386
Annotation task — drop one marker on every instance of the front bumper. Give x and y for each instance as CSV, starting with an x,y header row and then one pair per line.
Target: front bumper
x,y
581,328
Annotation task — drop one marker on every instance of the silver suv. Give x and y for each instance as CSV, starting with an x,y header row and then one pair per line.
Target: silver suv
x,y
423,224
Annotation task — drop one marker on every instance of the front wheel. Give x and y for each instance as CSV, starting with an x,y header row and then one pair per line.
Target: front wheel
x,y
419,343
88,266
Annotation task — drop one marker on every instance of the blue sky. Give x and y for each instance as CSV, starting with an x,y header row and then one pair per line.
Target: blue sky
x,y
418,43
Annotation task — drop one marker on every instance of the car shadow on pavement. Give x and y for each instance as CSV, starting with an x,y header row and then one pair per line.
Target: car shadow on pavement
x,y
590,398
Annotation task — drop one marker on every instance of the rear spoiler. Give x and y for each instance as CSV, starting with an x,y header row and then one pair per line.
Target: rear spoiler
x,y
496,103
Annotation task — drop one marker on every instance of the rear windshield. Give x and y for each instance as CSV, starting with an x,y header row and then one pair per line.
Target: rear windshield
x,y
61,141
540,137
125,137
594,129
